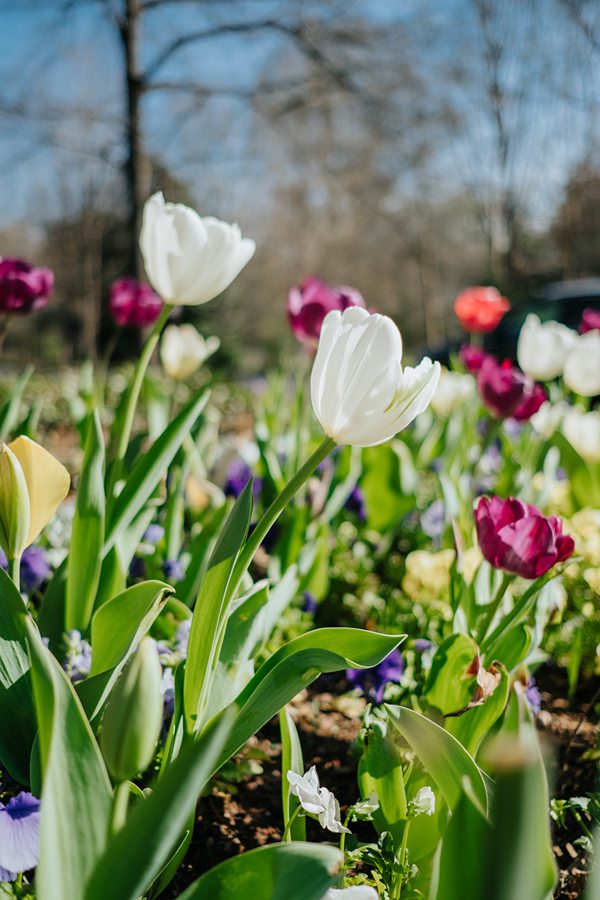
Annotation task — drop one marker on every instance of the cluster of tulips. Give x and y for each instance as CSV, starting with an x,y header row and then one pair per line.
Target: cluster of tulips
x,y
183,611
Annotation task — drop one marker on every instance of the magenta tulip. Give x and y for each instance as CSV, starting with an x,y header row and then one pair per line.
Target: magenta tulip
x,y
23,287
506,391
516,537
590,320
309,303
134,304
472,357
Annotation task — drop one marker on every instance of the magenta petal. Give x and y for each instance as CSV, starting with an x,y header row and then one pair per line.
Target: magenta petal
x,y
486,529
19,833
527,547
565,545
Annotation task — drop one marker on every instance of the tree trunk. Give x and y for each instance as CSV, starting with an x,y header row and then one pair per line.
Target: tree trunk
x,y
130,28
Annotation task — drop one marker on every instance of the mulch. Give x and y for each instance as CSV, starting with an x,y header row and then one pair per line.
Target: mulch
x,y
236,818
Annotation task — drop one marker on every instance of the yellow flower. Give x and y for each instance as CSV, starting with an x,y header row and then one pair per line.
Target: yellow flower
x,y
584,526
427,575
32,485
592,576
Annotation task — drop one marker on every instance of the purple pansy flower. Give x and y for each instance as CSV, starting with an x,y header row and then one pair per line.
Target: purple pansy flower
x,y
238,475
173,570
310,603
35,569
356,503
78,662
533,696
372,682
421,645
153,534
19,835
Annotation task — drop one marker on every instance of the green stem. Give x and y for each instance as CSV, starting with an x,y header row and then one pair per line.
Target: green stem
x,y
270,515
343,834
519,610
133,396
400,880
288,828
492,608
120,805
15,571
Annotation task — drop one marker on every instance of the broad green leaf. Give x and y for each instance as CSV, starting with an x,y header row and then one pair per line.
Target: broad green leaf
x,y
449,685
210,610
187,589
291,761
76,791
17,712
87,538
463,862
296,665
381,772
386,501
117,628
150,468
476,724
137,853
440,754
297,871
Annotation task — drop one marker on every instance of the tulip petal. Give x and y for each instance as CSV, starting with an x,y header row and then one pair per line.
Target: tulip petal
x,y
48,482
527,547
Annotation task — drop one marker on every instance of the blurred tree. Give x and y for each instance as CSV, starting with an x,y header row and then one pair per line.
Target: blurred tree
x,y
576,228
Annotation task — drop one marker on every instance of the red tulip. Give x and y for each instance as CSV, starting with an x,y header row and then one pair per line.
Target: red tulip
x,y
480,309
23,287
134,304
309,303
590,320
516,537
506,391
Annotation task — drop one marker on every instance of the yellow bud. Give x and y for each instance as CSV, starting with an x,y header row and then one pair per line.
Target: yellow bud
x,y
47,482
14,505
134,714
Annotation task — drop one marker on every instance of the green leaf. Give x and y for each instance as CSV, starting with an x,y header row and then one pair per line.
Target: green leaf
x,y
117,628
449,685
187,589
87,538
150,468
17,712
440,754
210,611
291,760
385,499
462,865
297,871
76,791
296,665
9,412
137,854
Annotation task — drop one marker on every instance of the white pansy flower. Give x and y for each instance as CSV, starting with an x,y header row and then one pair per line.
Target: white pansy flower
x,y
423,803
454,388
190,260
316,800
582,366
582,430
543,348
183,350
355,892
360,393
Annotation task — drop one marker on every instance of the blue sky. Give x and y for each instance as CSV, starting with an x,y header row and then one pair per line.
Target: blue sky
x,y
50,61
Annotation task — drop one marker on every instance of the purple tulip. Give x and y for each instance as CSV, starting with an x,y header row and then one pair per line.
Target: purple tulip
x,y
372,682
506,391
19,835
23,287
516,537
590,320
309,303
134,304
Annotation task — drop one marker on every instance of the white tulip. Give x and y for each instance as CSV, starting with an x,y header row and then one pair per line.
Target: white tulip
x,y
453,390
582,366
543,348
355,892
183,350
360,393
189,259
548,418
582,430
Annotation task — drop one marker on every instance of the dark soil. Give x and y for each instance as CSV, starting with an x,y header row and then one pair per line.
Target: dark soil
x,y
249,815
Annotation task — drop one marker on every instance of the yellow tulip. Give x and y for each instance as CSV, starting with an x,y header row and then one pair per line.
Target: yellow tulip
x,y
32,485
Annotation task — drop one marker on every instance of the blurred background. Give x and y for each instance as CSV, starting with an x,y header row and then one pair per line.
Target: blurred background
x,y
404,147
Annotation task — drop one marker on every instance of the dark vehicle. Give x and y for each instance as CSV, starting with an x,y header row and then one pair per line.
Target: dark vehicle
x,y
561,301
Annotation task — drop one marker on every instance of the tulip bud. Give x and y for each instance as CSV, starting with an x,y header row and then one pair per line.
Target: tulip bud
x,y
134,714
183,350
14,505
582,430
582,366
32,485
543,348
